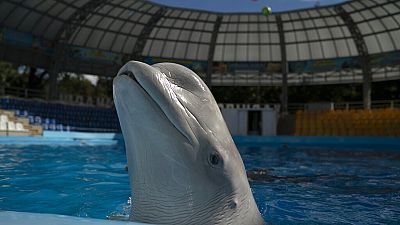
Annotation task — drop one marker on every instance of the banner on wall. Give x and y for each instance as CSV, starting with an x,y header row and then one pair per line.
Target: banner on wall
x,y
239,67
14,37
1,34
199,67
18,38
97,55
385,59
247,67
316,66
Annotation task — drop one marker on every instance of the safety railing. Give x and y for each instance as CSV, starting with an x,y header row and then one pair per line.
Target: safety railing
x,y
294,107
94,130
22,92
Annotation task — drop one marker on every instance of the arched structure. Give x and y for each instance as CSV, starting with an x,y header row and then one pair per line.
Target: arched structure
x,y
356,41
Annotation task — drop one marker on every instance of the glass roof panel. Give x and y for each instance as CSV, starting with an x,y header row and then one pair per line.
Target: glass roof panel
x,y
192,53
372,44
316,33
253,53
180,50
95,38
202,52
265,53
129,45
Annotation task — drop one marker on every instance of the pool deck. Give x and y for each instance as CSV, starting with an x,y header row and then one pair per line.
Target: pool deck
x,y
23,218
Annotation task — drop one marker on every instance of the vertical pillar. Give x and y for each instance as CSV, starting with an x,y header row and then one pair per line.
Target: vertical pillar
x,y
284,94
52,85
145,34
367,80
62,37
363,54
211,50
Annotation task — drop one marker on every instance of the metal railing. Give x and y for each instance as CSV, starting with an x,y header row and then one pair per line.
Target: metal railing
x,y
378,104
96,130
22,92
293,107
374,104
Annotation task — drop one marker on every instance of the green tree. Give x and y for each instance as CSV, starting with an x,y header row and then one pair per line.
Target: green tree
x,y
75,84
104,87
9,76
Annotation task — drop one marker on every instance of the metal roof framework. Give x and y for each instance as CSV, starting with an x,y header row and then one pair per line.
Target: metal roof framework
x,y
119,30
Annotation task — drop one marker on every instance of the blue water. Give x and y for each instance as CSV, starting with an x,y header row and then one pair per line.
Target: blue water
x,y
303,186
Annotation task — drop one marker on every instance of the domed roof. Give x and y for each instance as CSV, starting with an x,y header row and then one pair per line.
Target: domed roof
x,y
129,29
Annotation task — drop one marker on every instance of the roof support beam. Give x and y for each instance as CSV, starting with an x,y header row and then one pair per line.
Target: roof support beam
x,y
145,34
211,50
284,94
363,54
76,19
62,38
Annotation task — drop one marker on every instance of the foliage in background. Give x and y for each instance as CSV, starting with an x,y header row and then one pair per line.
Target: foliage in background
x,y
9,76
36,79
386,90
104,87
76,84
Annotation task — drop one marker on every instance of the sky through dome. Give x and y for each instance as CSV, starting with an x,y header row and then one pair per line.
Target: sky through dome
x,y
246,5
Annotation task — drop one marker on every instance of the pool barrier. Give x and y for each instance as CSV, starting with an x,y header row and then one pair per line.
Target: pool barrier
x,y
64,138
23,218
322,142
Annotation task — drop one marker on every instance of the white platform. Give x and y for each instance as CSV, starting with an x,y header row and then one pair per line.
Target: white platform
x,y
23,218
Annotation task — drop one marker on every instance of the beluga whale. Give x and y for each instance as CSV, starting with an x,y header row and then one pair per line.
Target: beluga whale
x,y
183,165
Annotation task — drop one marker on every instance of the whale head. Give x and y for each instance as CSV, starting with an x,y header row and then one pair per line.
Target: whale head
x,y
183,165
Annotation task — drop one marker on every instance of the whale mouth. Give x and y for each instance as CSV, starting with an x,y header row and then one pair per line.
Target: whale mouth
x,y
135,80
160,95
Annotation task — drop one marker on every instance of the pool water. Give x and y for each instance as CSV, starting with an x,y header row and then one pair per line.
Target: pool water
x,y
302,186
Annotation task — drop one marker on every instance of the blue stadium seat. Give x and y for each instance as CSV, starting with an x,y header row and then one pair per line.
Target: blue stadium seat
x,y
62,117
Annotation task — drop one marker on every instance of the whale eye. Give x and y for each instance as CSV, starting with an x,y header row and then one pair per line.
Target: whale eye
x,y
215,159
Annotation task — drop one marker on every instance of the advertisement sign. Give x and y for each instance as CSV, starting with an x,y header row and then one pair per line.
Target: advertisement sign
x,y
97,55
315,66
199,67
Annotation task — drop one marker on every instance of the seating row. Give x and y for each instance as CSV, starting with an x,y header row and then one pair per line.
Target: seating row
x,y
57,116
375,122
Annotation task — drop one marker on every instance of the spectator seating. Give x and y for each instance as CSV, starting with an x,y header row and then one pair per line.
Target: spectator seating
x,y
375,122
14,126
63,117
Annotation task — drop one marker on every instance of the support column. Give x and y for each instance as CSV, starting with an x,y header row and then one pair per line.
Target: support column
x,y
52,85
54,70
211,50
145,34
363,54
284,94
62,37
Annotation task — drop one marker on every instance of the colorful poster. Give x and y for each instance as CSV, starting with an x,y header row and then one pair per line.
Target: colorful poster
x,y
238,67
199,67
94,54
316,66
246,67
25,39
19,38
385,59
1,34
